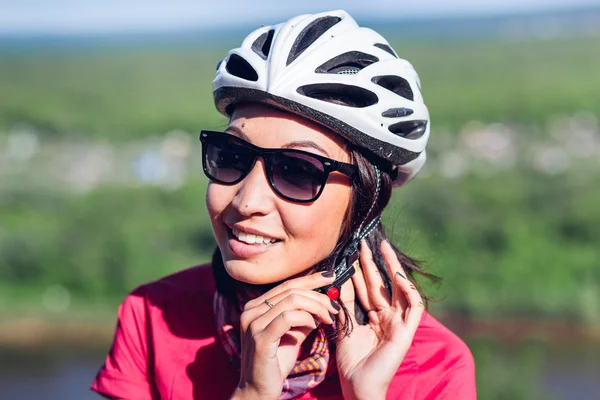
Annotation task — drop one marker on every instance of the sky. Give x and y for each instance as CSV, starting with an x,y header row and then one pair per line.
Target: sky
x,y
110,16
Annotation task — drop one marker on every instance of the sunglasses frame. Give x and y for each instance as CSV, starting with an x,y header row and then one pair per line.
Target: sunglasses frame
x,y
329,165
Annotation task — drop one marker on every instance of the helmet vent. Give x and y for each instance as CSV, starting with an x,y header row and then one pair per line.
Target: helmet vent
x,y
241,68
396,84
347,71
387,48
347,95
347,63
262,45
309,34
409,129
397,112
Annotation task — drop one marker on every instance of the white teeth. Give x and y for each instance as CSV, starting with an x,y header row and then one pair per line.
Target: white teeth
x,y
250,238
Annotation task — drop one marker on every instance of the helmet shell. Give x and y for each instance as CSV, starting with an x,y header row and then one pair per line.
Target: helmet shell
x,y
328,69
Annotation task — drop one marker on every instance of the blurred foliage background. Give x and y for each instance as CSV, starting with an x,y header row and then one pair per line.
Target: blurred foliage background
x,y
101,187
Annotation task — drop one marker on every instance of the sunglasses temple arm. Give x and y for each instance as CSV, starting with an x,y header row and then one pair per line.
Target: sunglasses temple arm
x,y
346,169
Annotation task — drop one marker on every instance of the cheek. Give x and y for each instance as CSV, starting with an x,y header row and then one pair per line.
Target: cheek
x,y
318,227
217,199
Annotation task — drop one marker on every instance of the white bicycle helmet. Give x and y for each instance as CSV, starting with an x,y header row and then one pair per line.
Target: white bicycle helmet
x,y
312,63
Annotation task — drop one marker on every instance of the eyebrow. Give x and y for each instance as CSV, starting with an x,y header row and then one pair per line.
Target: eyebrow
x,y
305,143
290,145
238,132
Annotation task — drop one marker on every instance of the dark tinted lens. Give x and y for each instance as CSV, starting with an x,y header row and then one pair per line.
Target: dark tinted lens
x,y
298,176
227,161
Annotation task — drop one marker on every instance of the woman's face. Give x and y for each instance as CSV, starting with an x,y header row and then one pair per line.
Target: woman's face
x,y
305,233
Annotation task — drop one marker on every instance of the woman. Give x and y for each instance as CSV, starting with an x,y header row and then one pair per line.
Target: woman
x,y
325,120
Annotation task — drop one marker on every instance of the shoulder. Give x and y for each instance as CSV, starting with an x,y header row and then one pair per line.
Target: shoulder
x,y
191,287
195,281
176,306
152,320
440,343
443,362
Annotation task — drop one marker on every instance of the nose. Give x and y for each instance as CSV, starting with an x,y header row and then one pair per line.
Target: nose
x,y
254,195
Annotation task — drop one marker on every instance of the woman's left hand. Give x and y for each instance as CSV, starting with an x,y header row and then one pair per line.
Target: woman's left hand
x,y
369,357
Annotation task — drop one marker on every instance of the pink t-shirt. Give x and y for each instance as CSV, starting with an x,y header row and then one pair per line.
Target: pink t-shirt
x,y
165,347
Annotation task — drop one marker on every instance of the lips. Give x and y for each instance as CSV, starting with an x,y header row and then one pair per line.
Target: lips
x,y
244,249
250,238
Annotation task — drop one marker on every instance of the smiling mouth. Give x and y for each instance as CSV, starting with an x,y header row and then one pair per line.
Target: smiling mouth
x,y
249,238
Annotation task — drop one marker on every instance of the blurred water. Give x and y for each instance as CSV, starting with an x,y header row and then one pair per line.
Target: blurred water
x,y
550,374
51,374
572,374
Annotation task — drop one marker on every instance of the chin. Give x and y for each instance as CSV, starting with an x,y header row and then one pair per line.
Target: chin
x,y
249,272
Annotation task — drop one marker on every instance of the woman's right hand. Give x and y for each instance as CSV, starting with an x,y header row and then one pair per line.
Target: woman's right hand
x,y
271,336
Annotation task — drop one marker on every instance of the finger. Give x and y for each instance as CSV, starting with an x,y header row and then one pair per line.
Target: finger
x,y
312,281
374,318
393,350
378,295
284,322
252,313
394,267
414,311
360,288
294,302
321,298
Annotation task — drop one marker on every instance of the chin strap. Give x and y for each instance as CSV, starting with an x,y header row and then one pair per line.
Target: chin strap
x,y
344,269
368,229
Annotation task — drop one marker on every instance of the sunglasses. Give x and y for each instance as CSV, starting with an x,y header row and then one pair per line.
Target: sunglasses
x,y
295,175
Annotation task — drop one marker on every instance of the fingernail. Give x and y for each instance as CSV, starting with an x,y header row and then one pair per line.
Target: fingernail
x,y
327,274
332,316
316,323
398,273
335,305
